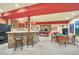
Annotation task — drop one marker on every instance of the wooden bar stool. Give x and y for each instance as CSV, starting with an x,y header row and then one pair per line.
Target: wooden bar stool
x,y
37,35
62,40
30,37
18,41
73,39
53,36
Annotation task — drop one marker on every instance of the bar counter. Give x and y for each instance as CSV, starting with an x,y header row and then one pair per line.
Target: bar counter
x,y
11,37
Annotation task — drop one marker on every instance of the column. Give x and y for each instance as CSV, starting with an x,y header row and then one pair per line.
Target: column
x,y
28,23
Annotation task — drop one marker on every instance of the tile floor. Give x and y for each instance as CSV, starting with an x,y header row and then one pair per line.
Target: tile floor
x,y
44,47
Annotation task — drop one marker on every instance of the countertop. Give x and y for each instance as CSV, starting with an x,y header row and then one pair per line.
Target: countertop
x,y
20,31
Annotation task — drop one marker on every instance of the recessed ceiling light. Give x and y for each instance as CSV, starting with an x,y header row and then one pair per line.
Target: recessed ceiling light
x,y
16,5
22,10
1,10
67,18
72,13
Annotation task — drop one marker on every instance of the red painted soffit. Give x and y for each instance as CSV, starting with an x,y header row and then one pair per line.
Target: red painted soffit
x,y
52,22
43,8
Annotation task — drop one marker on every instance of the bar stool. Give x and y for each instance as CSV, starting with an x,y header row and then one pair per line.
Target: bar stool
x,y
73,39
53,36
30,37
37,35
18,38
63,40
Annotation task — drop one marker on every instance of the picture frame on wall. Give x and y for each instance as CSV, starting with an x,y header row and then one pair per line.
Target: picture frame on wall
x,y
53,28
35,27
71,26
45,28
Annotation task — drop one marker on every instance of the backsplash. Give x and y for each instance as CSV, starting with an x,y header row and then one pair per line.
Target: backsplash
x,y
19,29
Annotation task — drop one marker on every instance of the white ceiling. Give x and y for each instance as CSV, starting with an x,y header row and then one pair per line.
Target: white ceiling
x,y
55,16
4,7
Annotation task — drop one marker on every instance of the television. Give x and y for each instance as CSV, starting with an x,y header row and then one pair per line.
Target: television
x,y
65,31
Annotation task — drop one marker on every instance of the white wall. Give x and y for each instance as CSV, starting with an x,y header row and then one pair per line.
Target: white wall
x,y
3,21
59,27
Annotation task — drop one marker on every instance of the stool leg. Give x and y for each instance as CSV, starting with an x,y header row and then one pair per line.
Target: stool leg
x,y
59,44
74,41
32,43
21,44
68,42
38,39
65,44
51,39
27,42
15,46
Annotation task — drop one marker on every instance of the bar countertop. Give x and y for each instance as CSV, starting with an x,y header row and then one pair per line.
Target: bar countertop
x,y
20,31
11,37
